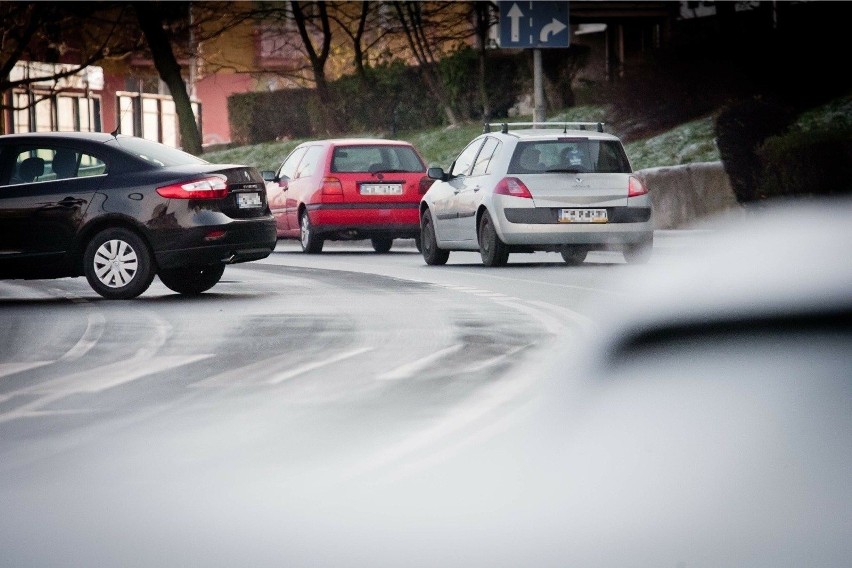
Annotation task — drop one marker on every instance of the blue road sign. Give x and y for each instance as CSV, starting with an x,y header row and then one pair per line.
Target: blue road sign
x,y
534,24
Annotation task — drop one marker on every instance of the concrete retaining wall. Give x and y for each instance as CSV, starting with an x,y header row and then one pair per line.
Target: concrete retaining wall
x,y
682,195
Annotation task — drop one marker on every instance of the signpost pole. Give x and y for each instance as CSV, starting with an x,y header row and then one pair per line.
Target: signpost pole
x,y
538,88
535,25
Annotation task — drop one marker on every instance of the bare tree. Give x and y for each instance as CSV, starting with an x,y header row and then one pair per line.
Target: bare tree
x,y
431,30
310,17
351,18
152,21
363,23
50,32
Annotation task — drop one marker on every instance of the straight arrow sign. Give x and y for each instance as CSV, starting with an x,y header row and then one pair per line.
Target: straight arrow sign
x,y
515,14
536,24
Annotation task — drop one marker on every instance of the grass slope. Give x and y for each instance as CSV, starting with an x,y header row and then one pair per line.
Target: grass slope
x,y
688,143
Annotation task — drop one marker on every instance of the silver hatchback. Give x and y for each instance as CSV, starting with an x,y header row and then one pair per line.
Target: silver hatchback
x,y
567,187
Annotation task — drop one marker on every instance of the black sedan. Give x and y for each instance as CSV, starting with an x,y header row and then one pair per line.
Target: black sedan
x,y
121,210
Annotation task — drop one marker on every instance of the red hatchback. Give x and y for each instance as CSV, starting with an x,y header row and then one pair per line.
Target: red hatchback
x,y
348,189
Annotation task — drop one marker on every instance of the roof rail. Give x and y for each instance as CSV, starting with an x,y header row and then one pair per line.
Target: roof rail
x,y
504,126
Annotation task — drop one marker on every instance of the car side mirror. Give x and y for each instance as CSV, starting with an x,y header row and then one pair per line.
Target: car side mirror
x,y
436,173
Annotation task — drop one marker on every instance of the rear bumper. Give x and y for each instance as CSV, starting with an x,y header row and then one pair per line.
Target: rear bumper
x,y
399,220
242,240
550,215
540,226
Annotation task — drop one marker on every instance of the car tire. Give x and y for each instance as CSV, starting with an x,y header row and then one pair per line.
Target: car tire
x,y
311,243
639,253
418,242
494,252
192,280
118,264
431,253
574,256
381,244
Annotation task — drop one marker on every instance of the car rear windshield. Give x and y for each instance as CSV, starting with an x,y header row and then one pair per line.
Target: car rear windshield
x,y
569,155
156,153
373,158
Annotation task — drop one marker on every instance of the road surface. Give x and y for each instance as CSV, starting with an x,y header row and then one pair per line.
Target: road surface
x,y
320,367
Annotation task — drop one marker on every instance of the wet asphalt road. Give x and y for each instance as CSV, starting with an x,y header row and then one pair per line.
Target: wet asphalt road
x,y
295,367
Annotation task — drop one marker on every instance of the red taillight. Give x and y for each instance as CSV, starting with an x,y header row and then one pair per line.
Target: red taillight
x,y
331,190
213,187
635,187
514,187
215,235
425,183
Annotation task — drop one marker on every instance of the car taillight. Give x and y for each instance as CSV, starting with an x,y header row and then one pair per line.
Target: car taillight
x,y
512,186
213,187
425,183
635,187
331,190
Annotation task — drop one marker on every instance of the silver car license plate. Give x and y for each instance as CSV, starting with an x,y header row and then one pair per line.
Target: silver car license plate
x,y
381,189
248,200
582,216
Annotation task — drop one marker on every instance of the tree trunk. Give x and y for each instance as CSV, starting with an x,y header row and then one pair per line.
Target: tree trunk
x,y
412,24
318,60
358,55
151,23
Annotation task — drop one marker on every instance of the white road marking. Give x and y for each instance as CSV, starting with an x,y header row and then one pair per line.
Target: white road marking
x,y
543,283
90,337
144,362
94,331
115,374
247,375
97,380
487,294
411,453
12,368
565,314
482,365
281,377
410,369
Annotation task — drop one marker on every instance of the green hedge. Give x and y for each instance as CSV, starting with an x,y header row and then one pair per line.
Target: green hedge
x,y
741,128
390,98
266,116
812,163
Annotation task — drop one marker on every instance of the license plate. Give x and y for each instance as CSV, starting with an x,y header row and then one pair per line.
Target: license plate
x,y
582,216
381,189
248,200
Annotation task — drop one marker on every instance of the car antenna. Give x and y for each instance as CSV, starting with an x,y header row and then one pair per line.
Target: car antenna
x,y
114,133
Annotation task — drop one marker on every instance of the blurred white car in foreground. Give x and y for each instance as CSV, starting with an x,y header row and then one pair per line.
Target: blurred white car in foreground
x,y
708,423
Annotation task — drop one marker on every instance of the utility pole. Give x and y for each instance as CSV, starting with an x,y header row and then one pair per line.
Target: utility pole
x,y
539,114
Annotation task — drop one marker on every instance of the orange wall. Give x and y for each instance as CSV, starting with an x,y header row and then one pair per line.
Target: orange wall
x,y
213,92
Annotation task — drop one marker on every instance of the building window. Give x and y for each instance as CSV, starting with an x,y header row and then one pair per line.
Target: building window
x,y
44,116
42,112
152,117
21,114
